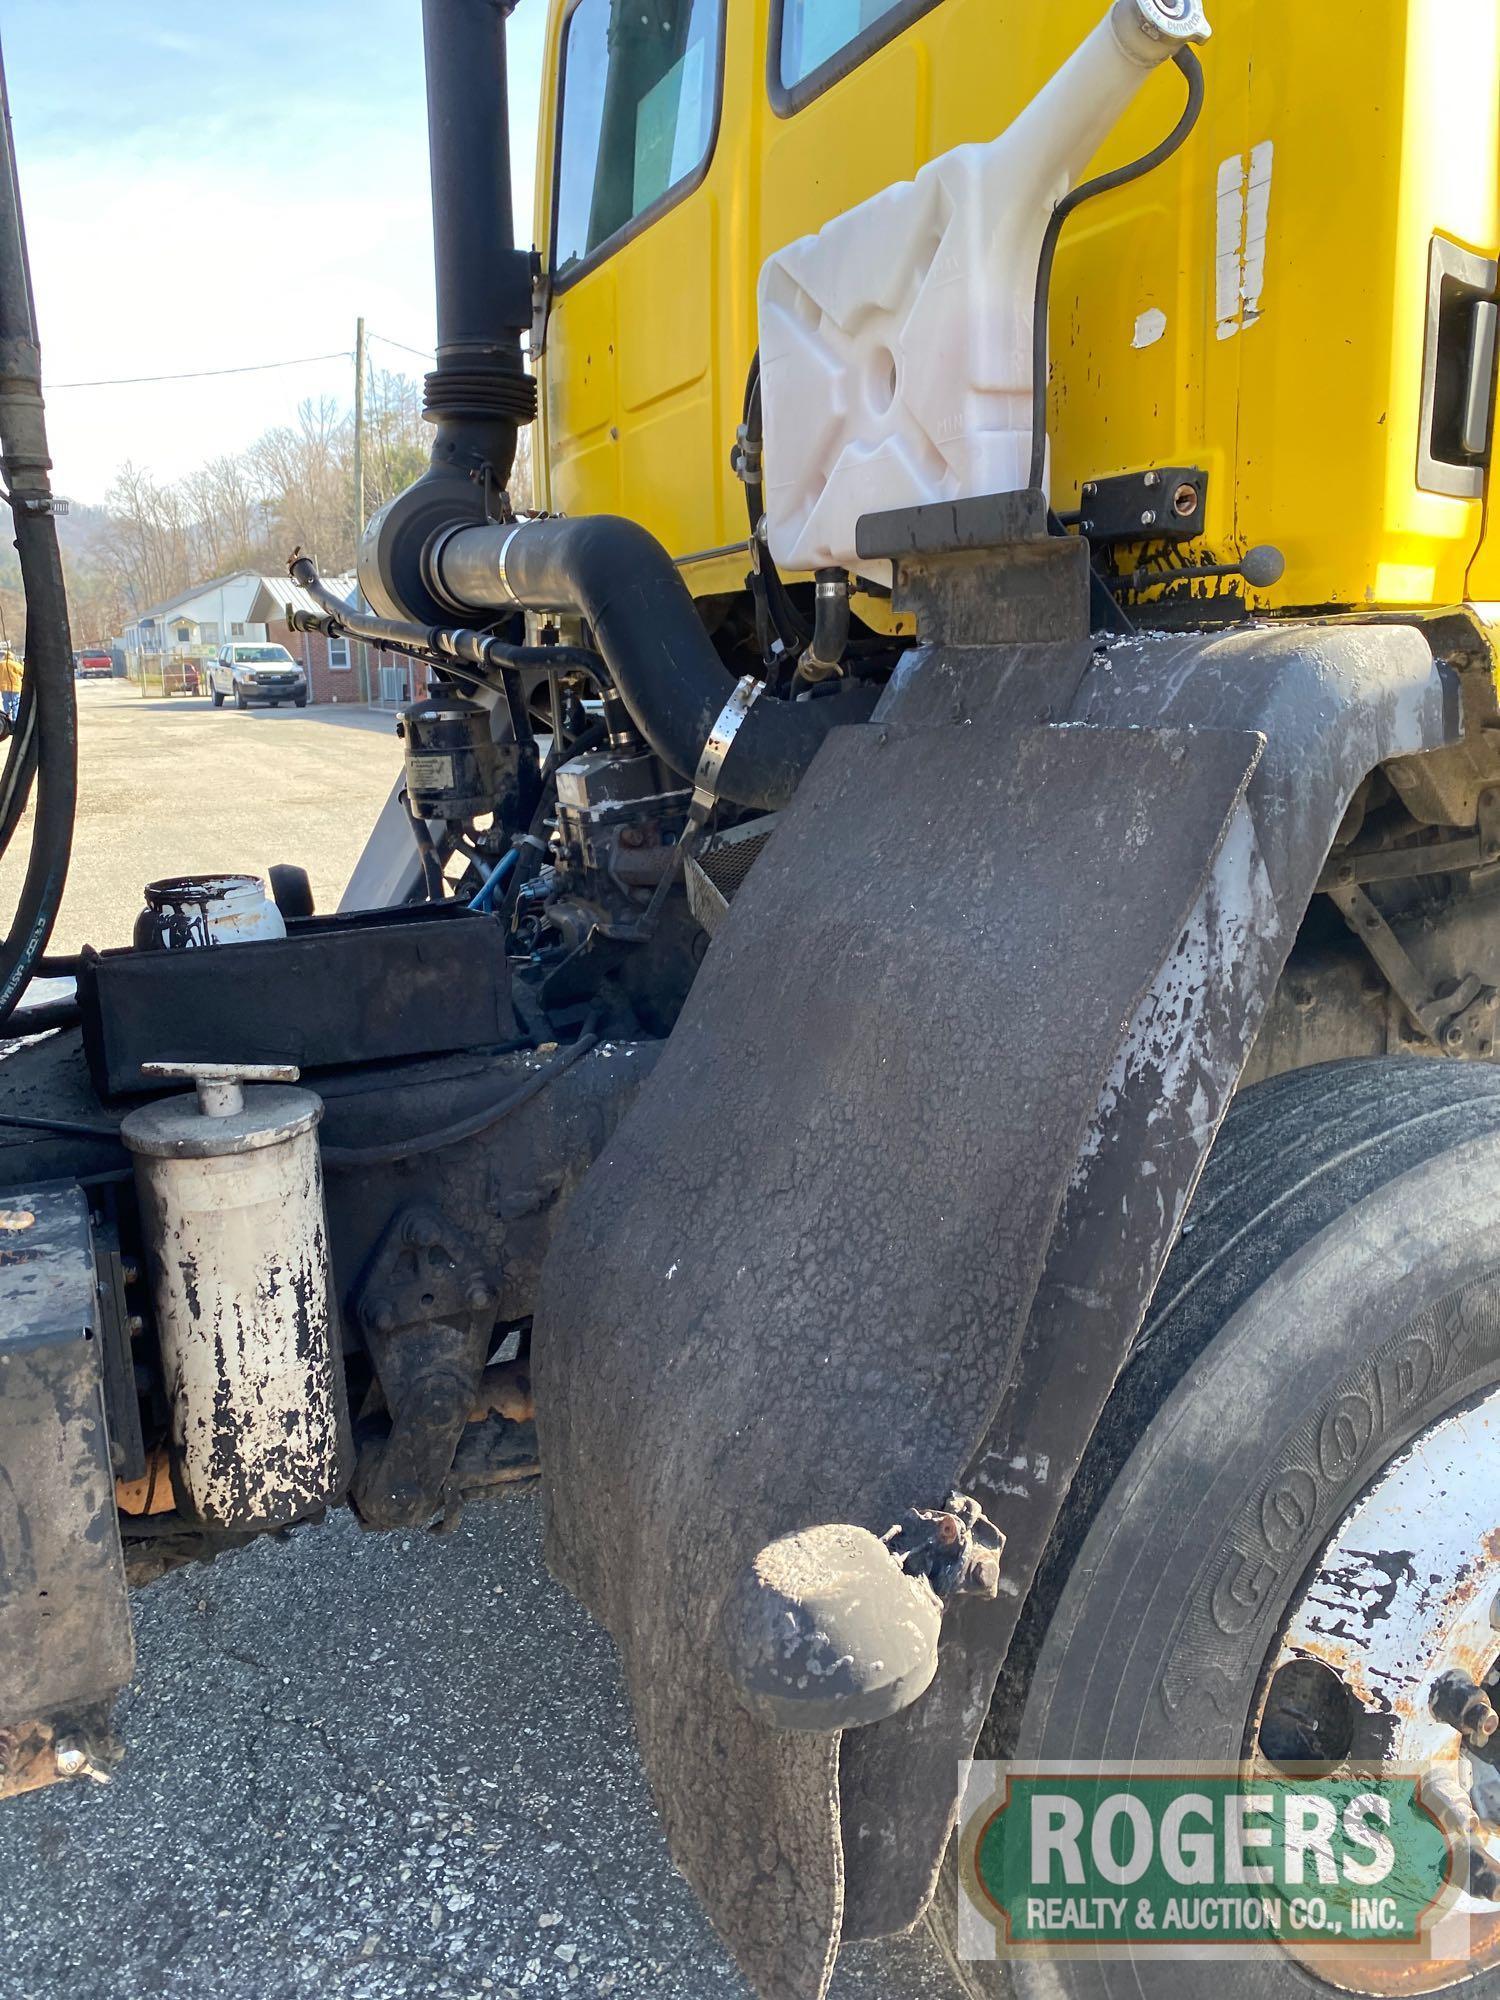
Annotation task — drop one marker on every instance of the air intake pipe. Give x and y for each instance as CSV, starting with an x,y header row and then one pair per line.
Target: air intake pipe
x,y
434,550
622,582
479,394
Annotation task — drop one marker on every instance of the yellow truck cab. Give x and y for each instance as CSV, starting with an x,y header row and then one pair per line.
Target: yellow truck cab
x,y
1301,303
930,982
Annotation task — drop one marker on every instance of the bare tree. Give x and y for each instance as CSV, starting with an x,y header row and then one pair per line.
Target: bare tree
x,y
151,552
397,441
305,473
228,515
294,487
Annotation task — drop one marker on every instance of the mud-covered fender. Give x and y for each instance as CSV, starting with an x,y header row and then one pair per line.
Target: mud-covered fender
x,y
888,1214
1333,702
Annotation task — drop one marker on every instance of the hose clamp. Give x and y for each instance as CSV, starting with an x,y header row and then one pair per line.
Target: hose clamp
x,y
721,737
500,555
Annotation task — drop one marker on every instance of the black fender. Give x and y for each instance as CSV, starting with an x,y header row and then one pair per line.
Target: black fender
x,y
1333,702
887,1216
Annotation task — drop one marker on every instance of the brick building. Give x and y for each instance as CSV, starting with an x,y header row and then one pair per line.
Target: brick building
x,y
191,628
338,670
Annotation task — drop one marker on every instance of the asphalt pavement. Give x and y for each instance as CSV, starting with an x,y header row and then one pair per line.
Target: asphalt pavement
x,y
359,1766
178,787
367,1767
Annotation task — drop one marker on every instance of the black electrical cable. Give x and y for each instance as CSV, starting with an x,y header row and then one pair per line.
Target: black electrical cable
x,y
1118,177
341,1158
42,1017
433,882
82,1127
792,628
49,646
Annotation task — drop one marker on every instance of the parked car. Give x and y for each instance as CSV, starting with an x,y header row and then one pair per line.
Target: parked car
x,y
181,677
251,671
94,666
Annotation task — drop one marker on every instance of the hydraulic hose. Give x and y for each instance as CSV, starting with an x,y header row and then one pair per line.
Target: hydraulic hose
x,y
49,650
830,640
444,643
1119,177
621,581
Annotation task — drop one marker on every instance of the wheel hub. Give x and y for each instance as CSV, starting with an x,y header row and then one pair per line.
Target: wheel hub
x,y
1390,1656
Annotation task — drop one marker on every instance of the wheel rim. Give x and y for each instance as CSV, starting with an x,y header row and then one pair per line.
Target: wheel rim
x,y
1389,1655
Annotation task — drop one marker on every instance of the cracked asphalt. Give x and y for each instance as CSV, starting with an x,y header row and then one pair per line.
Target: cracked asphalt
x,y
358,1767
366,1767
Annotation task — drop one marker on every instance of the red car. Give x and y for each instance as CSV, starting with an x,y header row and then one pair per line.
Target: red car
x,y
95,667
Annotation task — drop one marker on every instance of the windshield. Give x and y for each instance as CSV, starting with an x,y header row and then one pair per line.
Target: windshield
x,y
265,655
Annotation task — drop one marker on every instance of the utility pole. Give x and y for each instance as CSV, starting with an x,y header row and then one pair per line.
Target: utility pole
x,y
359,479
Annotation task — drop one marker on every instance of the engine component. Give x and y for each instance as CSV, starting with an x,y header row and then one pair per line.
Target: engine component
x,y
190,911
231,1193
65,1639
625,586
616,821
453,765
427,1306
715,869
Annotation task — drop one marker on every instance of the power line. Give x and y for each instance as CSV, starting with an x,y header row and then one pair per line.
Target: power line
x,y
422,353
200,374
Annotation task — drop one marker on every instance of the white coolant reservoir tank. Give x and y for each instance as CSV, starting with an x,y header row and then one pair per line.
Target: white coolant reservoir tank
x,y
895,345
231,1192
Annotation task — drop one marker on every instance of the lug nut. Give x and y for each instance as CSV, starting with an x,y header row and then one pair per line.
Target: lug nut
x,y
69,1756
1463,1706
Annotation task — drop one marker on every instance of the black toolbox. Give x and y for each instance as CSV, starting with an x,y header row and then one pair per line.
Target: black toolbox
x,y
367,986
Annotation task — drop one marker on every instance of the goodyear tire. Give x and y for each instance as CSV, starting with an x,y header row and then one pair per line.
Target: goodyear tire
x,y
1335,1294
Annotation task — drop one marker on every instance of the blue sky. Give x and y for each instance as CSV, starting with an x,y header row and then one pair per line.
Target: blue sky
x,y
210,183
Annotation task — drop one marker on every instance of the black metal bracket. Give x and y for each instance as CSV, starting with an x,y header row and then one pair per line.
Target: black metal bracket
x,y
982,572
426,1304
1164,503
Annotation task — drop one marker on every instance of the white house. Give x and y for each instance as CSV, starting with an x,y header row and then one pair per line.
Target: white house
x,y
194,624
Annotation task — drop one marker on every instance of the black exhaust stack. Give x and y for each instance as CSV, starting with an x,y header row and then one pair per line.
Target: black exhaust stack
x,y
479,394
416,565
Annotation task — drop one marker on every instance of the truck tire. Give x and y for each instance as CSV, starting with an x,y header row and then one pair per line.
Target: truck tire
x,y
217,695
1334,1298
239,699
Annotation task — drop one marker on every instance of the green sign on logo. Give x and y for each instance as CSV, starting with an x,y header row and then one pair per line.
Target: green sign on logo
x,y
1085,1861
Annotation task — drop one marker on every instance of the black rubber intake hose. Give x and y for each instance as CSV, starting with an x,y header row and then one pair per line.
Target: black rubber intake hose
x,y
624,585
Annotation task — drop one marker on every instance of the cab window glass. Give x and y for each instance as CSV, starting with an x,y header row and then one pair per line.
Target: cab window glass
x,y
813,32
639,98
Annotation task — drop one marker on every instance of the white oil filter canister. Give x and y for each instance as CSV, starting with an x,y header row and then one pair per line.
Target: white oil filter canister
x,y
231,1194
